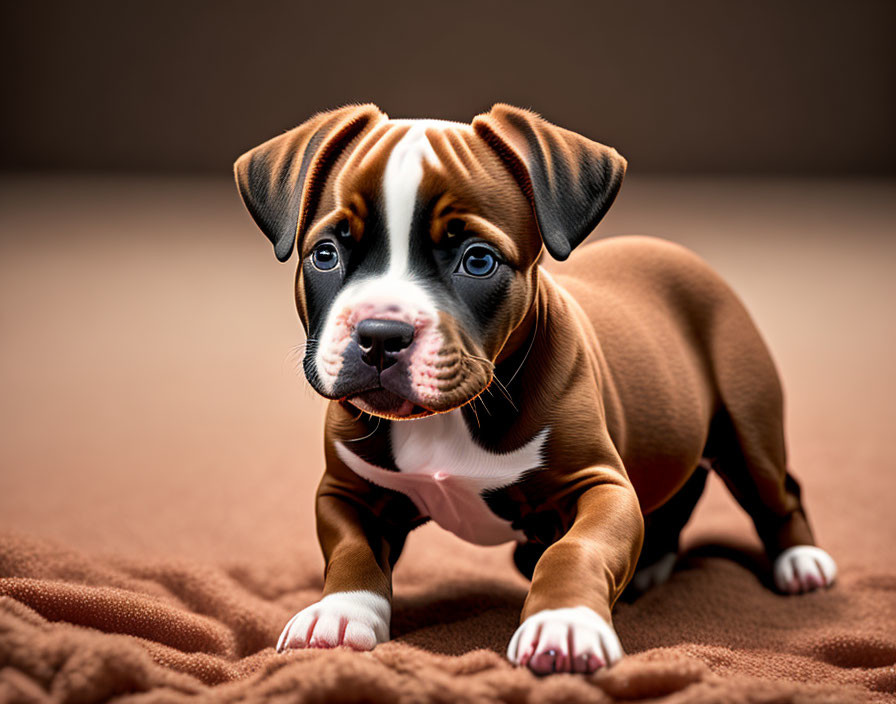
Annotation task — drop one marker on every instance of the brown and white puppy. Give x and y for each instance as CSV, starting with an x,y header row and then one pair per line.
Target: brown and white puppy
x,y
468,386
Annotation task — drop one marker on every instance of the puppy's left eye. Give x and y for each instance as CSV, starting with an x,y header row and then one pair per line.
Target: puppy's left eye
x,y
325,257
479,261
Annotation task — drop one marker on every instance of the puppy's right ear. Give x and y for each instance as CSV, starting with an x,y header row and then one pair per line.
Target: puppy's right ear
x,y
281,180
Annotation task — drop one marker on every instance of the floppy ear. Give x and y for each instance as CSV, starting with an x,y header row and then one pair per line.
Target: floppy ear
x,y
281,180
569,180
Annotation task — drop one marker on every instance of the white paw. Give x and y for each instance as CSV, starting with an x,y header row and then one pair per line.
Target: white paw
x,y
804,568
655,574
564,640
358,620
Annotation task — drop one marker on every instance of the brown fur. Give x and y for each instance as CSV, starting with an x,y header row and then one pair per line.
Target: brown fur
x,y
642,362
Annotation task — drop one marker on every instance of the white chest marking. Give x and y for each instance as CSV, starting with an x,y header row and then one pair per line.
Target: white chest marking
x,y
444,472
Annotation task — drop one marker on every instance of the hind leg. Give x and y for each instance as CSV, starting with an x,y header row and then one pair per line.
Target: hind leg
x,y
662,529
747,440
774,502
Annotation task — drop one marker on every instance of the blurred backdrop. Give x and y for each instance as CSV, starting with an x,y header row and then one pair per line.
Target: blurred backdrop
x,y
749,86
150,395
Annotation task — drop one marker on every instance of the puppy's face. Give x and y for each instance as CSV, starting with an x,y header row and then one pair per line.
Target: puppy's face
x,y
416,271
417,242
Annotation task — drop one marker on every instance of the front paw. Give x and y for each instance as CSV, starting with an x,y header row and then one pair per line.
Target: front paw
x,y
804,568
564,640
358,620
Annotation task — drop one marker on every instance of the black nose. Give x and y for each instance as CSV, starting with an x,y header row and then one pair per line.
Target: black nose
x,y
381,340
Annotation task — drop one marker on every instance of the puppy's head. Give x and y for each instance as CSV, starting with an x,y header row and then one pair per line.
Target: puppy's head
x,y
417,242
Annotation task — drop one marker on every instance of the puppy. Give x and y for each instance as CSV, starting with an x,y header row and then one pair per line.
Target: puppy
x,y
610,389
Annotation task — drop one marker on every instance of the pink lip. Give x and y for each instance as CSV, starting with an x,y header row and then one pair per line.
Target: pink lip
x,y
405,410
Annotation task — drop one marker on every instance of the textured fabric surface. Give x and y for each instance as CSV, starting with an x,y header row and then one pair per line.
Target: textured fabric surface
x,y
159,455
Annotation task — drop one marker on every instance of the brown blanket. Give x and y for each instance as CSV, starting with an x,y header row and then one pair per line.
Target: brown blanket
x,y
158,462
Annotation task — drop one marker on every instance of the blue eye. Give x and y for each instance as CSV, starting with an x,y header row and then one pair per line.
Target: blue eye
x,y
325,257
479,261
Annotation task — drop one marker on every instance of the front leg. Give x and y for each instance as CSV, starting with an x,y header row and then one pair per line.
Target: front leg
x,y
566,624
360,549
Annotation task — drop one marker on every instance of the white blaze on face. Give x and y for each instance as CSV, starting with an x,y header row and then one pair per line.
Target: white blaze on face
x,y
394,295
401,181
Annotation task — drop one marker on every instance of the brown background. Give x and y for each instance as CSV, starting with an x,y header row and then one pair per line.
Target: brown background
x,y
759,86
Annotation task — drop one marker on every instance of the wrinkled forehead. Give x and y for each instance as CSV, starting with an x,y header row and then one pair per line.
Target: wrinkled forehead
x,y
433,169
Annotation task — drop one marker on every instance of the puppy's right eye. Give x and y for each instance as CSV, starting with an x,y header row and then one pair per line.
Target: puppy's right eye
x,y
325,257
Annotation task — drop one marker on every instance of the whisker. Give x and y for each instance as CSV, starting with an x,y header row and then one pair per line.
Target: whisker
x,y
372,432
297,353
528,351
475,414
503,389
495,379
481,359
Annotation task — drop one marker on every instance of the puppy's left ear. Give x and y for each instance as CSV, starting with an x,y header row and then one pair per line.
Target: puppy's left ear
x,y
570,181
281,180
